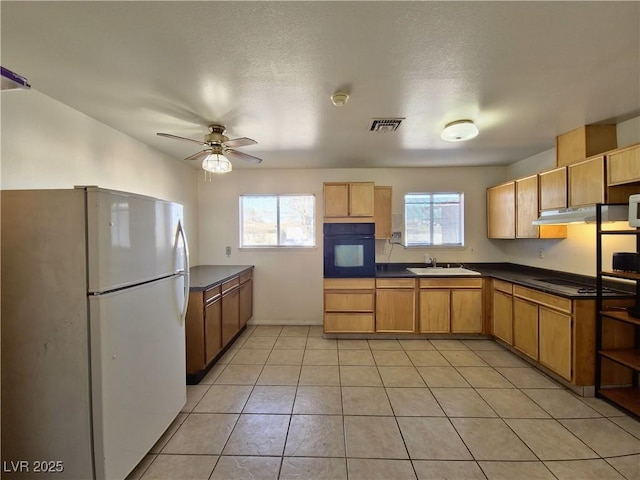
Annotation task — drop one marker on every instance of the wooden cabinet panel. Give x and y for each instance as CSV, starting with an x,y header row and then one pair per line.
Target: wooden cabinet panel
x,y
349,283
349,301
555,341
336,200
395,310
623,166
466,311
584,142
501,204
526,207
230,315
553,189
348,322
587,182
435,311
382,211
452,282
558,303
361,196
525,327
502,316
246,302
194,333
212,329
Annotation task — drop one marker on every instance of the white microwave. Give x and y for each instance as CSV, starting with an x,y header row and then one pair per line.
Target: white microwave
x,y
634,211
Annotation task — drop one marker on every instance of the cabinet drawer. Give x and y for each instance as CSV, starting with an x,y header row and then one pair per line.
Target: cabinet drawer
x,y
395,283
501,286
211,293
245,277
346,301
348,322
559,303
450,283
349,283
230,285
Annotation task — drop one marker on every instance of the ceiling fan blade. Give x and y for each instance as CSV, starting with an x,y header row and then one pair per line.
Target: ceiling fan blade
x,y
241,156
175,137
240,142
197,156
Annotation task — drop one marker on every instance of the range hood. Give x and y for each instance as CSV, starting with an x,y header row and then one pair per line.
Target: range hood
x,y
610,213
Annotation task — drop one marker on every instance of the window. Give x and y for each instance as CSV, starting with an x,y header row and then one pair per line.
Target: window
x,y
277,221
434,219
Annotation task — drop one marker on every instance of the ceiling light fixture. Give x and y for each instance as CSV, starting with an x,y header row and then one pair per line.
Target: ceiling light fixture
x,y
459,131
216,163
339,99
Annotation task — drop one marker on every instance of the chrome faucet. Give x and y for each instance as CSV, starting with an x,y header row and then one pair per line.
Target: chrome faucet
x,y
433,261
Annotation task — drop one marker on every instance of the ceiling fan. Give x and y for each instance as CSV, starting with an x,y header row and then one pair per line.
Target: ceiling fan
x,y
219,149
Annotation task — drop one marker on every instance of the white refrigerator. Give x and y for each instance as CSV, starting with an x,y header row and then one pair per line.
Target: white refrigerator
x,y
94,287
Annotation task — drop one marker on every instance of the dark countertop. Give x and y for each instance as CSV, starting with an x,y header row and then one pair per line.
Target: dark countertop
x,y
208,276
510,272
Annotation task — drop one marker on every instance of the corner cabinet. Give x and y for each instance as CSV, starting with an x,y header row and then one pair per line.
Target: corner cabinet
x,y
351,201
617,333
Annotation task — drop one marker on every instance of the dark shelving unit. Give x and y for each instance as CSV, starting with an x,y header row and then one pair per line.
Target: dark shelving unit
x,y
618,333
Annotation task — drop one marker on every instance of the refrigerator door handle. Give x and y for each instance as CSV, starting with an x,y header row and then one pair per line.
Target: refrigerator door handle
x,y
187,280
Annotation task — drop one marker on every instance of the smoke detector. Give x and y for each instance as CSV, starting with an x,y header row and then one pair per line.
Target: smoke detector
x,y
384,125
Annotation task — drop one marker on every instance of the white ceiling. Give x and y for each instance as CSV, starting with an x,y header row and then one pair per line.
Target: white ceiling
x,y
523,71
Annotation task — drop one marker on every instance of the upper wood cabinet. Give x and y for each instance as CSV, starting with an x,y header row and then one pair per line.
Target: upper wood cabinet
x,y
587,182
501,220
584,142
346,200
623,166
553,189
526,207
382,211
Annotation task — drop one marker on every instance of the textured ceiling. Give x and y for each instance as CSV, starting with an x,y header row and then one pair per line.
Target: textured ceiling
x,y
523,71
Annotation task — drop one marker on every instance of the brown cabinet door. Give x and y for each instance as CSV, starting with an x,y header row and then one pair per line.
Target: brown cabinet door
x,y
212,329
395,310
555,341
624,166
336,200
435,310
246,302
466,311
525,327
230,315
586,182
526,207
382,212
502,318
361,199
501,214
553,189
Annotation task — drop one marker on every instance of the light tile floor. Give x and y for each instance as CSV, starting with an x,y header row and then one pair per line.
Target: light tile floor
x,y
285,403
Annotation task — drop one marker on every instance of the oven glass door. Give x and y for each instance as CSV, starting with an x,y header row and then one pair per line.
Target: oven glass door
x,y
349,257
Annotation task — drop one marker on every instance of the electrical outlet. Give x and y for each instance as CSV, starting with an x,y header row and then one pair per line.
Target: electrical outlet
x,y
541,253
396,235
472,251
228,250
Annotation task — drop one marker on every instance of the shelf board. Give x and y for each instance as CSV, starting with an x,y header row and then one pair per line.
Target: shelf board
x,y
628,398
625,275
628,357
620,315
619,232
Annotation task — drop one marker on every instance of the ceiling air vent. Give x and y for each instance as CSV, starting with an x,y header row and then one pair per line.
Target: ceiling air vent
x,y
384,125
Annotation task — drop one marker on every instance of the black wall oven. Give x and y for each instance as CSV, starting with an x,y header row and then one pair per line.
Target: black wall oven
x,y
349,250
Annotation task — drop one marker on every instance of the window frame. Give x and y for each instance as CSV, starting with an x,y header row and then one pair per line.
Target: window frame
x,y
277,246
431,204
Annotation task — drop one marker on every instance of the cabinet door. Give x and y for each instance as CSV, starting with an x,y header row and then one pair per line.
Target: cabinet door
x,y
230,315
395,310
435,310
382,212
336,200
586,182
466,311
553,189
501,205
525,327
246,302
502,319
212,329
526,207
555,341
624,166
361,199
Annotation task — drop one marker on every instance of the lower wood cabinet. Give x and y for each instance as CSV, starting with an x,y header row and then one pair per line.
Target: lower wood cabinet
x,y
525,327
450,305
230,309
349,305
246,298
502,311
395,305
555,336
213,327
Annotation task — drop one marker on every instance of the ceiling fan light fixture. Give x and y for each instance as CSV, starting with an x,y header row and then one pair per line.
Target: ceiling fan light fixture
x,y
459,131
216,163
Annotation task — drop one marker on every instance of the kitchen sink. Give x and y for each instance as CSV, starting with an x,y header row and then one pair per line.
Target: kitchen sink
x,y
443,271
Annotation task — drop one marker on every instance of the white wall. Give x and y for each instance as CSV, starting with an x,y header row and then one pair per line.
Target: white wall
x,y
288,282
46,144
576,253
